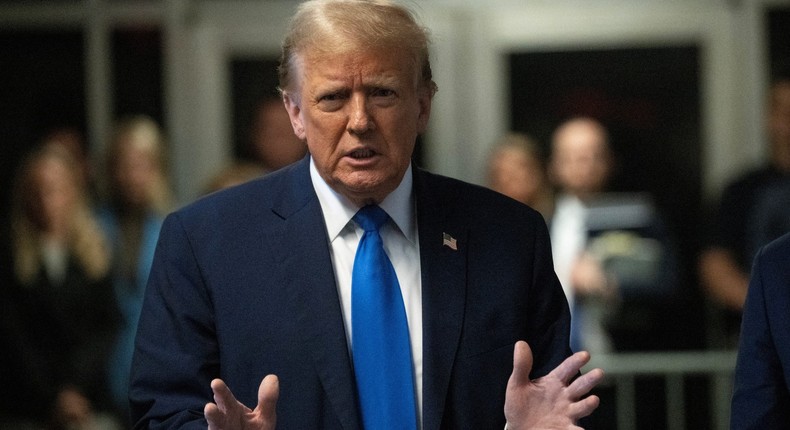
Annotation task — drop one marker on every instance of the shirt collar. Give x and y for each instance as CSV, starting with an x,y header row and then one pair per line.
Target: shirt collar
x,y
338,210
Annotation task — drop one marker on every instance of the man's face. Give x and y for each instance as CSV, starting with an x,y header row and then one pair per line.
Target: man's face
x,y
273,139
581,162
360,114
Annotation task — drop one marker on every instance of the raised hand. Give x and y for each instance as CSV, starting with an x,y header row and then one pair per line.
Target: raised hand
x,y
230,414
552,401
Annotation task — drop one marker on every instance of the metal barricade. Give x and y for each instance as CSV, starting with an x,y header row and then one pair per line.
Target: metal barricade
x,y
623,369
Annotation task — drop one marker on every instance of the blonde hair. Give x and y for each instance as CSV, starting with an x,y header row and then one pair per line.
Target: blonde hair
x,y
143,133
524,143
331,27
85,240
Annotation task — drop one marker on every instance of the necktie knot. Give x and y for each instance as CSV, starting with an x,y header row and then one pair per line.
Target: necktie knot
x,y
371,218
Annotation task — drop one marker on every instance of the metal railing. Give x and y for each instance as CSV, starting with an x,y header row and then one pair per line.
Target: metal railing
x,y
623,369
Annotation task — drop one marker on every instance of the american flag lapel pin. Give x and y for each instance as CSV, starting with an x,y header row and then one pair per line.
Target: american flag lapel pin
x,y
449,242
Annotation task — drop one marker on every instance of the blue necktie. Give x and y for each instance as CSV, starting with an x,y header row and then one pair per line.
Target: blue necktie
x,y
380,332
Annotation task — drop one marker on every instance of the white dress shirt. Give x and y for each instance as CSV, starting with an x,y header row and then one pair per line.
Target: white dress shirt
x,y
568,238
568,242
401,243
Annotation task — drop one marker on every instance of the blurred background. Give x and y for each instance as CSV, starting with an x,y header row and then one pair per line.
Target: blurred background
x,y
680,84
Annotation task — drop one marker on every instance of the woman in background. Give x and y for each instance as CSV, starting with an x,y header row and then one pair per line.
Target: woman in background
x,y
517,169
58,314
137,197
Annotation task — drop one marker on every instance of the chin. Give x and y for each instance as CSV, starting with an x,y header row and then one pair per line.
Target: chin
x,y
366,192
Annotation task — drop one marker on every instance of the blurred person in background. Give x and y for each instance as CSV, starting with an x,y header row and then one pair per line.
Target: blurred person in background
x,y
271,145
236,173
612,252
73,140
58,313
614,258
725,263
770,217
136,198
272,142
517,169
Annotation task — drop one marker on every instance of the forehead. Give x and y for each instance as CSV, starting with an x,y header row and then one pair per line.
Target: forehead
x,y
368,65
578,137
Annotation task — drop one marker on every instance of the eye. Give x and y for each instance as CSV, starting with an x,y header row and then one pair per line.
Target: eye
x,y
383,97
331,101
331,97
382,92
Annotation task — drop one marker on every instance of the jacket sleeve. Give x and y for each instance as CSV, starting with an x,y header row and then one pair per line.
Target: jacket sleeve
x,y
760,399
176,352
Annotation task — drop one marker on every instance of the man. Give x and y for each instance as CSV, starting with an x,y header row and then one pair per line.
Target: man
x,y
612,252
580,166
761,398
724,264
261,279
272,143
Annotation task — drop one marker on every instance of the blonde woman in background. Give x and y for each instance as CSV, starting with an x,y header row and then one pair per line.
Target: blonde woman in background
x,y
136,198
517,169
58,314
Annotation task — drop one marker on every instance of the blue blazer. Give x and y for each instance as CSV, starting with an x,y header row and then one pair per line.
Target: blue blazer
x,y
242,286
761,398
129,296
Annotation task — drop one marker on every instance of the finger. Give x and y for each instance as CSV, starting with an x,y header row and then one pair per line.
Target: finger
x,y
522,363
570,366
222,395
268,393
214,416
584,407
584,383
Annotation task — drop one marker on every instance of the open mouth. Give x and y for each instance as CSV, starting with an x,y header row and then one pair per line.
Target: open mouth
x,y
362,154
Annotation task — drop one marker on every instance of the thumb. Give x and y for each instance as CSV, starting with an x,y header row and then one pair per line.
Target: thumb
x,y
268,393
522,363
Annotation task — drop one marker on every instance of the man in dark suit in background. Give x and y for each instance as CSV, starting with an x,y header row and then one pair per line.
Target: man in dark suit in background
x,y
257,280
761,399
737,229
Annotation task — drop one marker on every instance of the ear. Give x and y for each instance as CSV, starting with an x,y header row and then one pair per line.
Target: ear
x,y
294,110
424,100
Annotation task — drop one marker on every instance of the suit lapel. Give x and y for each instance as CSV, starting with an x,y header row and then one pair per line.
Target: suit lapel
x,y
313,291
317,306
443,294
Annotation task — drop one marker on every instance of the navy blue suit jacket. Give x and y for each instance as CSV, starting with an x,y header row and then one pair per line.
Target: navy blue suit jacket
x,y
761,399
243,286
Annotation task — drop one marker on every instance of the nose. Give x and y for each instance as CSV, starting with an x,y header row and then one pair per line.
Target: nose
x,y
359,120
